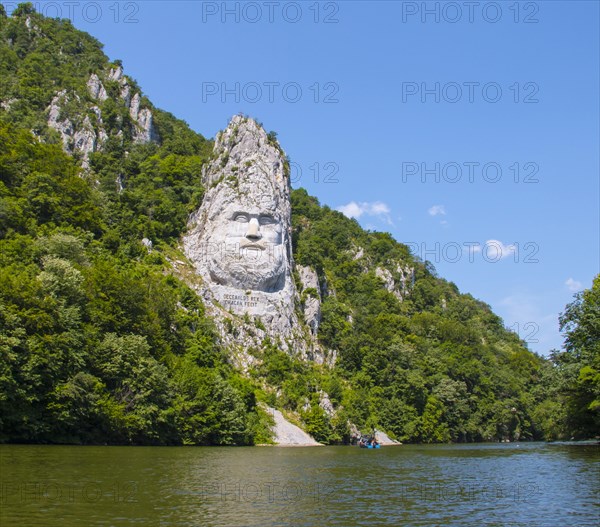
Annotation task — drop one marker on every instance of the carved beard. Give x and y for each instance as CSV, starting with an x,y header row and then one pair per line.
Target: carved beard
x,y
249,268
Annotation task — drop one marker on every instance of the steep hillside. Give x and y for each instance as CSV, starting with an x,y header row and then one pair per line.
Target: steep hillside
x,y
103,337
432,364
99,342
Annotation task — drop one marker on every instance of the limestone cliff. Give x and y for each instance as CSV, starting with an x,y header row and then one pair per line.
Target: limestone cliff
x,y
240,244
78,118
311,296
399,285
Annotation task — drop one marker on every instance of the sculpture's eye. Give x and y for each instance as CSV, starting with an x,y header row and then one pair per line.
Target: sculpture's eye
x,y
266,220
242,218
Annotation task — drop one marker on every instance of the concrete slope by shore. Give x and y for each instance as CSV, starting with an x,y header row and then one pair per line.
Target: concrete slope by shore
x,y
288,434
384,439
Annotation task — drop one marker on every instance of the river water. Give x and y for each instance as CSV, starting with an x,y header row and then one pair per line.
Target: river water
x,y
526,484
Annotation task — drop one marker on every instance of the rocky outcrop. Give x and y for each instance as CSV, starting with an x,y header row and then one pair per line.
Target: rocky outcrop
x,y
116,75
81,135
406,279
355,433
81,139
125,94
240,237
239,242
386,276
326,404
311,297
134,107
63,126
84,141
399,287
143,131
7,105
382,438
96,88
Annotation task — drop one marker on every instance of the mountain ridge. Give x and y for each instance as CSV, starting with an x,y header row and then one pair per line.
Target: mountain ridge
x,y
411,354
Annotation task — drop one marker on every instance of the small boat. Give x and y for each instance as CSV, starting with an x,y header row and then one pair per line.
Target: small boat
x,y
370,445
368,442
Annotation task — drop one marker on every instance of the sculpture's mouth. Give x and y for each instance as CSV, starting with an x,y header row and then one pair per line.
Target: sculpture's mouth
x,y
247,244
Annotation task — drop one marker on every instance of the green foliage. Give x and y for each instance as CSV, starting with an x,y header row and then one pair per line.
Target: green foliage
x,y
24,9
276,364
438,366
40,186
100,343
95,349
579,365
272,138
161,182
317,424
210,411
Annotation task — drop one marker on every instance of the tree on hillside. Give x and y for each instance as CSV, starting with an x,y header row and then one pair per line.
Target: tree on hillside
x,y
580,362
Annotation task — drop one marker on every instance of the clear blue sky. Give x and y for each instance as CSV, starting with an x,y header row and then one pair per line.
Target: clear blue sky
x,y
369,81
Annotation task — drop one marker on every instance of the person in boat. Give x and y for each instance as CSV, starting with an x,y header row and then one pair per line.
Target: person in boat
x,y
374,437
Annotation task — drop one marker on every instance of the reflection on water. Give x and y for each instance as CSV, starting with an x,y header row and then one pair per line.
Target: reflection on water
x,y
527,484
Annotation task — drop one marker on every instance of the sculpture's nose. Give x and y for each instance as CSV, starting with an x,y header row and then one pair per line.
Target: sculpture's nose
x,y
253,231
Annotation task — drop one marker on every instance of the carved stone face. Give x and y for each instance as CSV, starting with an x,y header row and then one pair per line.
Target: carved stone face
x,y
239,238
246,248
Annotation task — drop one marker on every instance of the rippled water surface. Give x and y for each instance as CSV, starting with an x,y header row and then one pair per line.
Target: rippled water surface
x,y
527,484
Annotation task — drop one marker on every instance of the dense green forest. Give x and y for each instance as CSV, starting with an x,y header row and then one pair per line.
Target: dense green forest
x,y
102,342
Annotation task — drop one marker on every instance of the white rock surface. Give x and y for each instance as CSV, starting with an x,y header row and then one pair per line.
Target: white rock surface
x,y
102,138
359,253
312,303
125,93
7,104
86,137
354,431
115,74
384,439
134,107
96,88
288,434
308,277
145,132
84,141
326,404
386,276
239,241
407,275
401,288
63,126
